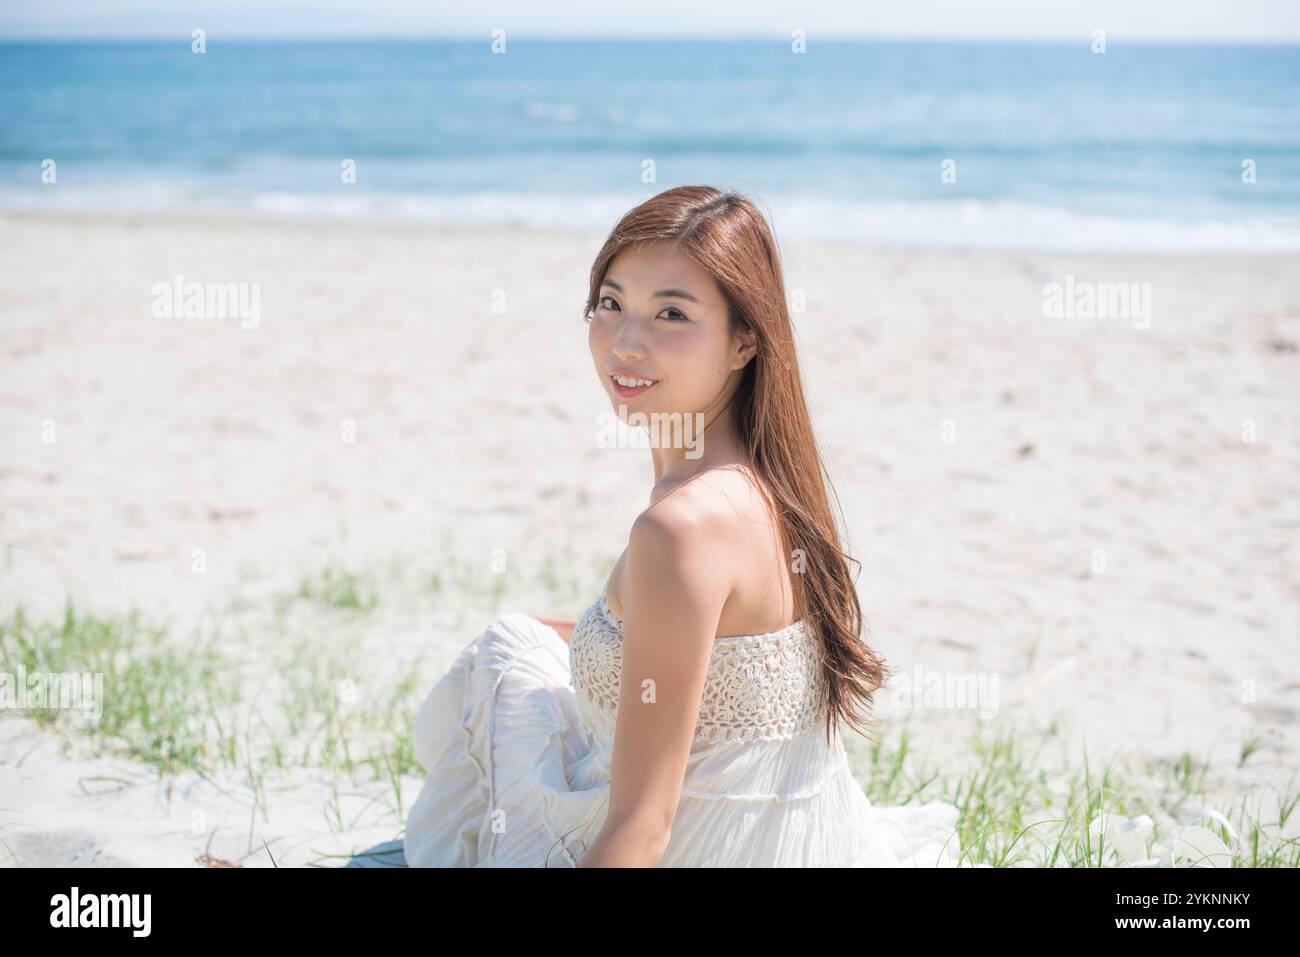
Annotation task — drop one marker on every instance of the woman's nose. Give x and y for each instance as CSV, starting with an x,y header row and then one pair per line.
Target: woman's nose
x,y
628,354
628,345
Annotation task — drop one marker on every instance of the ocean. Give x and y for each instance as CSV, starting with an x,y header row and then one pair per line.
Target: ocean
x,y
918,144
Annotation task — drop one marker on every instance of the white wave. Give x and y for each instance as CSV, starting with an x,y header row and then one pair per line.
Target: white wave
x,y
958,224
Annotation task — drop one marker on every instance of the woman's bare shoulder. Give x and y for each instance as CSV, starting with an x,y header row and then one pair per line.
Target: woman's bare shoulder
x,y
720,500
710,529
726,531
714,515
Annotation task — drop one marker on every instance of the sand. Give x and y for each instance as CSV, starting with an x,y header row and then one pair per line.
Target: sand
x,y
1101,514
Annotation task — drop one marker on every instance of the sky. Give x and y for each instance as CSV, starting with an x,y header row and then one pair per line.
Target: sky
x,y
1200,21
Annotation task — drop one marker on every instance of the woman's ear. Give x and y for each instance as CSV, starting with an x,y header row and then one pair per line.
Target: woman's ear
x,y
746,346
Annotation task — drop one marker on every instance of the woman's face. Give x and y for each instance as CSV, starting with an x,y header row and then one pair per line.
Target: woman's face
x,y
662,319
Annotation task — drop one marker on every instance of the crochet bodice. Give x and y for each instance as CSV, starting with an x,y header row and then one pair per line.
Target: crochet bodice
x,y
758,687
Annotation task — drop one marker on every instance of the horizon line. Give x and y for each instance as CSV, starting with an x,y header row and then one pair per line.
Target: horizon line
x,y
1064,40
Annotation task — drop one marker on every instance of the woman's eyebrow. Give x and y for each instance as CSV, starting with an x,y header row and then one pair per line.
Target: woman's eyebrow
x,y
661,294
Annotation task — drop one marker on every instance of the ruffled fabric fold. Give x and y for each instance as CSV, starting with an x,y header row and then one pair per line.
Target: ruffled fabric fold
x,y
818,817
517,768
918,835
496,736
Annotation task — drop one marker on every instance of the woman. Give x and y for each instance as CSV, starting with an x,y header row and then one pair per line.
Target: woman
x,y
692,719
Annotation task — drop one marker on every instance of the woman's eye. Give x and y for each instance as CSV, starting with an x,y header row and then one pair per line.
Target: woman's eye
x,y
672,315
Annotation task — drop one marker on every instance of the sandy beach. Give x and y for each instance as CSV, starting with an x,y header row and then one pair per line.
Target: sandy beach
x,y
1100,515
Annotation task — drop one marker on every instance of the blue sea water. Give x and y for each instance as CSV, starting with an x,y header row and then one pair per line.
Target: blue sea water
x,y
1054,146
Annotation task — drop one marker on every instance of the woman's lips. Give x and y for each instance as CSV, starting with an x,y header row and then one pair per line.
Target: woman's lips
x,y
626,392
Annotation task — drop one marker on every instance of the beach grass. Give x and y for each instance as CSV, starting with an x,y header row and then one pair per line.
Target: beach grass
x,y
1019,808
288,684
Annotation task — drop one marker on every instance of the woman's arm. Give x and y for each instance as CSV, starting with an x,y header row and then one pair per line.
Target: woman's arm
x,y
564,626
626,843
671,606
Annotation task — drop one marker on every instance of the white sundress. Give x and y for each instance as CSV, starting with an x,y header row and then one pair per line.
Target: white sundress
x,y
516,740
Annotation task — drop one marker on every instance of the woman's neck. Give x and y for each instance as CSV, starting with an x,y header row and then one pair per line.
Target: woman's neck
x,y
714,444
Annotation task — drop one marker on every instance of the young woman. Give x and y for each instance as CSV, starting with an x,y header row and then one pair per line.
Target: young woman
x,y
691,716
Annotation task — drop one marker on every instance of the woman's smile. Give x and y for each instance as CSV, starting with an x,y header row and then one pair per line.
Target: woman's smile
x,y
627,385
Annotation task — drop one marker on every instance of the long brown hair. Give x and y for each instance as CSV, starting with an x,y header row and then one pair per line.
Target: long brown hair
x,y
727,235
